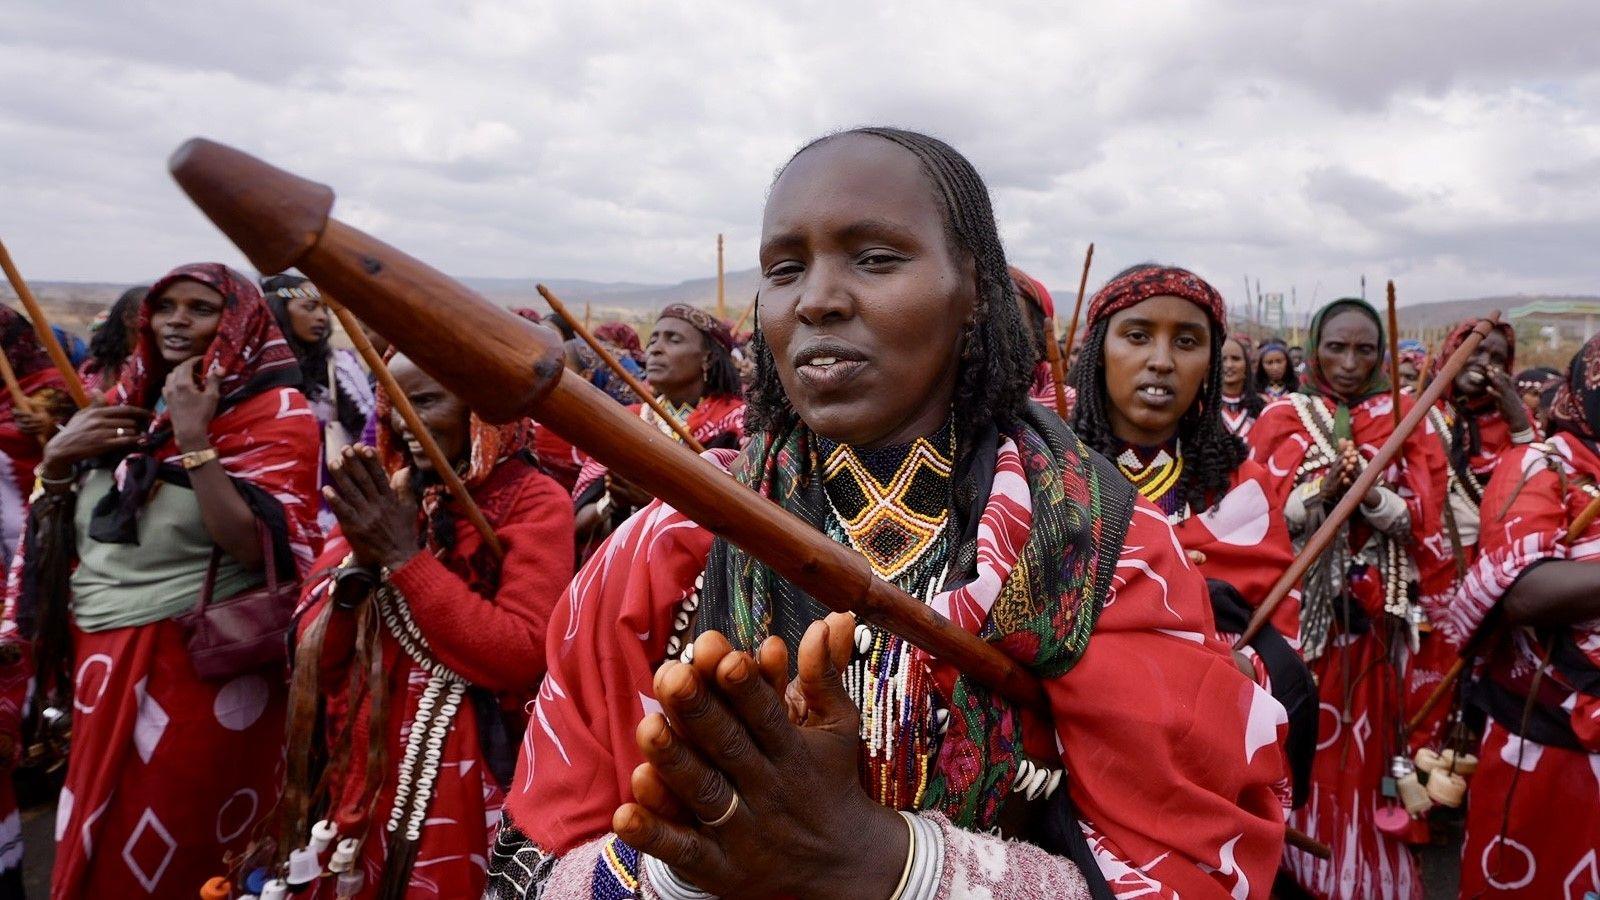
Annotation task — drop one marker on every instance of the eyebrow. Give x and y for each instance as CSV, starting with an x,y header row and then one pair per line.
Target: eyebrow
x,y
860,229
1150,323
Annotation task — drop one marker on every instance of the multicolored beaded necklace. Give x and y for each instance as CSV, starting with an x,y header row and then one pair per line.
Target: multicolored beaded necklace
x,y
1155,473
892,504
680,412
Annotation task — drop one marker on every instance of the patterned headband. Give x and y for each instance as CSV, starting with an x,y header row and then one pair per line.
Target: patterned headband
x,y
1135,287
703,321
307,291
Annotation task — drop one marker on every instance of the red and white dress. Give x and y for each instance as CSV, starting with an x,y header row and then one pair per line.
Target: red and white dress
x,y
1533,820
1360,665
1173,755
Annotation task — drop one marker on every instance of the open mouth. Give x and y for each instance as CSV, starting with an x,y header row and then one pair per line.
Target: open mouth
x,y
827,364
1155,394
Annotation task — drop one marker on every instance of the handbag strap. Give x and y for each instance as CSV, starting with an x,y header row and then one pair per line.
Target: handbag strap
x,y
208,587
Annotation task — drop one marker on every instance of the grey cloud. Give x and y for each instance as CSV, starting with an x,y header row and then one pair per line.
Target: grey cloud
x,y
1353,193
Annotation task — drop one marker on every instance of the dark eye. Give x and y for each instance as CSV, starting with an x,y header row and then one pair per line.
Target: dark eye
x,y
1187,342
1135,336
879,258
784,271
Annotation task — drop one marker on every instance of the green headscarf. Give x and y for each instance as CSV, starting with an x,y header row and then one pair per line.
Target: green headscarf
x,y
1317,386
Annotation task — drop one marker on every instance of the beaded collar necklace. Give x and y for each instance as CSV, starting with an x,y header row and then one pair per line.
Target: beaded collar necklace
x,y
1154,471
892,504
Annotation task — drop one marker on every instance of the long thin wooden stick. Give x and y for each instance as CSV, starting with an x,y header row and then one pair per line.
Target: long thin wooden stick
x,y
1352,498
1072,331
746,315
19,400
402,405
1394,355
645,394
41,327
1579,525
1058,370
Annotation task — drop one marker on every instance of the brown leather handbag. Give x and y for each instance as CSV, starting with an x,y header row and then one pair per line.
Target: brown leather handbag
x,y
244,632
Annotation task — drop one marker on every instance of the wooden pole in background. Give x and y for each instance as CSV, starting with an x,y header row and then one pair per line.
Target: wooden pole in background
x,y
1077,308
722,304
1394,354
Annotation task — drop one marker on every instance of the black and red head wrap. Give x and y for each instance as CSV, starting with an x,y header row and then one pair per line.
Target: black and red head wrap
x,y
1140,283
249,352
1576,407
1458,336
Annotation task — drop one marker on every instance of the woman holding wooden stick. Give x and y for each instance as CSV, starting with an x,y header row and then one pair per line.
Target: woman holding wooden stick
x,y
689,365
426,646
890,409
1357,622
1039,312
1543,753
1480,419
194,484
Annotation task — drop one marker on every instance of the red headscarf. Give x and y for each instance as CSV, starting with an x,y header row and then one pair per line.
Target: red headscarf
x,y
21,344
1458,336
623,336
249,352
708,325
1143,282
1033,291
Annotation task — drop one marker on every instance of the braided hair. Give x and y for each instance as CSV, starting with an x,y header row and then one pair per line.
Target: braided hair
x,y
1211,452
110,346
998,351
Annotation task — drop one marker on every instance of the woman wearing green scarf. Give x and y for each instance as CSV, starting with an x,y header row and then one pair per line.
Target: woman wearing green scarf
x,y
1358,617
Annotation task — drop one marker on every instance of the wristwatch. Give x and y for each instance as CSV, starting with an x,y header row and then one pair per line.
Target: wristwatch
x,y
194,459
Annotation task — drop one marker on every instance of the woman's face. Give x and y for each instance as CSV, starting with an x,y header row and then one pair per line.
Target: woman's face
x,y
446,417
1233,367
1348,351
308,319
185,319
1276,364
675,359
1157,354
1493,353
863,300
1409,373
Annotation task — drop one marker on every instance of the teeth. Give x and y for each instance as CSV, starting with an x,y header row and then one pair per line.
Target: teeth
x,y
824,360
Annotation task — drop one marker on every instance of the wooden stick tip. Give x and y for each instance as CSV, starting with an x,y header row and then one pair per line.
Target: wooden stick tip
x,y
272,215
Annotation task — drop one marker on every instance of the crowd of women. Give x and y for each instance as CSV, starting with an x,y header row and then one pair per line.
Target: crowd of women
x,y
598,697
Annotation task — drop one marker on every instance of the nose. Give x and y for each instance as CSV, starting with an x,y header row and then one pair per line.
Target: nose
x,y
1160,359
824,295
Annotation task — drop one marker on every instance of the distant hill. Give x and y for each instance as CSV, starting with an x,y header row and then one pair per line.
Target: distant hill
x,y
73,304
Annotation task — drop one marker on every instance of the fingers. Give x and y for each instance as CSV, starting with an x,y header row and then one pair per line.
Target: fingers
x,y
358,474
339,473
709,650
653,794
773,659
826,702
704,722
400,482
688,852
703,790
760,708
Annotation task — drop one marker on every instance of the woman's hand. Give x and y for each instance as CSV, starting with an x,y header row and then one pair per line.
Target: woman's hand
x,y
1504,391
1343,473
92,432
191,407
784,772
378,518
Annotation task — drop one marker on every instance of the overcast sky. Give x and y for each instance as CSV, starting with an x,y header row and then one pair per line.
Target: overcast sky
x,y
1453,146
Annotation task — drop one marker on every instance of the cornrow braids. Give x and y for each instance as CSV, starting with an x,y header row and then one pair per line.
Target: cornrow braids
x,y
998,350
1211,453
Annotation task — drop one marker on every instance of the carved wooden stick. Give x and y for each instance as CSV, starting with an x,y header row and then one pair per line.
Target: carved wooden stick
x,y
647,396
1346,506
505,367
402,405
41,327
1072,331
1579,525
19,400
1058,370
1394,355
